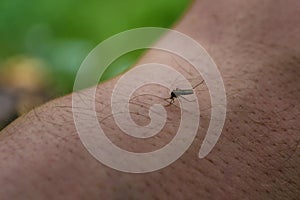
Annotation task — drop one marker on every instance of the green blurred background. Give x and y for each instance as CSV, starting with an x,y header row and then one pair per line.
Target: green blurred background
x,y
44,42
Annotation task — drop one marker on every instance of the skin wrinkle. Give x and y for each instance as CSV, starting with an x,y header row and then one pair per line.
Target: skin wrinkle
x,y
256,157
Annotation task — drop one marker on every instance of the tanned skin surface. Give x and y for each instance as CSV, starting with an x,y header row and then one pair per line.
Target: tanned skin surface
x,y
256,45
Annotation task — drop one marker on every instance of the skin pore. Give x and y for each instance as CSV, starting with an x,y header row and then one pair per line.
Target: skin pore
x,y
256,45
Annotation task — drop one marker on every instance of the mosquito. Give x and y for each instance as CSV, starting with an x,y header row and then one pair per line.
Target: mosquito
x,y
181,92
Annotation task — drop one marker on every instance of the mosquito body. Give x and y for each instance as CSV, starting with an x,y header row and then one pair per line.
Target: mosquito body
x,y
181,92
178,92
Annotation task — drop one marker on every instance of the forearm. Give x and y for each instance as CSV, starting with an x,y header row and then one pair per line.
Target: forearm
x,y
257,154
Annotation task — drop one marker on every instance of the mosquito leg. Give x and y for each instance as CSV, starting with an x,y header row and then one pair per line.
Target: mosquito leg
x,y
170,102
198,84
187,99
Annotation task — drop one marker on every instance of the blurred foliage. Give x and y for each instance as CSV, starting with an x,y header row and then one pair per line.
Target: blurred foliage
x,y
61,33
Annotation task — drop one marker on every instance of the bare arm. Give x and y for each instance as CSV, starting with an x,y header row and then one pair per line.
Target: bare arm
x,y
256,46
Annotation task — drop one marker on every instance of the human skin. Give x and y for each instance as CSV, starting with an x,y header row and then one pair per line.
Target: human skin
x,y
256,45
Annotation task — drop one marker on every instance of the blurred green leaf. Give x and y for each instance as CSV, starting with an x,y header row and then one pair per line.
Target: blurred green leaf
x,y
63,32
